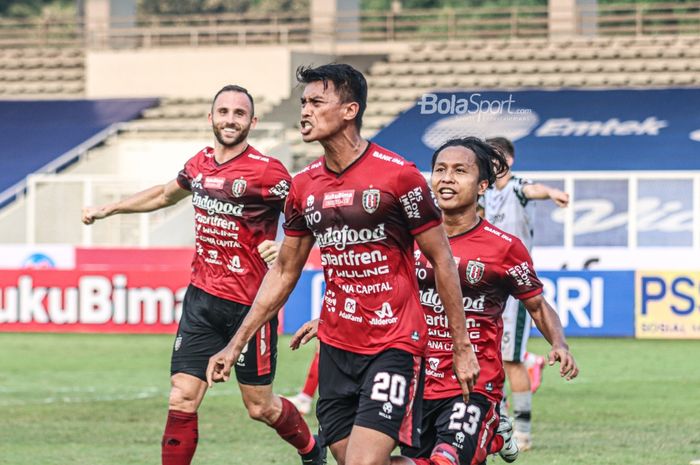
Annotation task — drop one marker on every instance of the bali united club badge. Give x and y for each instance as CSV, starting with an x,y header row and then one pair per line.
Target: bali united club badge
x,y
238,187
370,200
475,271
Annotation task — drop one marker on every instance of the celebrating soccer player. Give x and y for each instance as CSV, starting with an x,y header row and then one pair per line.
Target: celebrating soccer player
x,y
238,194
492,266
365,206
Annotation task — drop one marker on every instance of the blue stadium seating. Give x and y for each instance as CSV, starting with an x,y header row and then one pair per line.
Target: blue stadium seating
x,y
41,132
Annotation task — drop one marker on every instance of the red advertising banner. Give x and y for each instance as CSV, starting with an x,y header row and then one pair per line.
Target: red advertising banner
x,y
111,301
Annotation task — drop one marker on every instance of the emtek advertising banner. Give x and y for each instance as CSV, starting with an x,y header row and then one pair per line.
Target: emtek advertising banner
x,y
668,305
561,130
589,303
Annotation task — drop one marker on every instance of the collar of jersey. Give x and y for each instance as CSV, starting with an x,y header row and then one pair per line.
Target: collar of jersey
x,y
468,231
240,155
354,163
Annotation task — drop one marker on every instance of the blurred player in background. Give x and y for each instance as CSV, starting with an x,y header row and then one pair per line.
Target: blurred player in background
x,y
507,205
492,266
305,398
238,194
364,205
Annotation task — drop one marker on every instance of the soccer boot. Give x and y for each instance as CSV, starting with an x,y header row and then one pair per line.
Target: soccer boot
x,y
317,456
509,451
444,454
523,439
535,365
302,402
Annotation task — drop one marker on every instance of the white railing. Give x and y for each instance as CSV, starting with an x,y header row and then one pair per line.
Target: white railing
x,y
661,218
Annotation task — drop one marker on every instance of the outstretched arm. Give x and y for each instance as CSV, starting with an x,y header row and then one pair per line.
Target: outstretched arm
x,y
273,293
542,192
153,198
436,248
548,323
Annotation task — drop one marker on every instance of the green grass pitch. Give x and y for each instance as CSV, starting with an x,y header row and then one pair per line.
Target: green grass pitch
x,y
102,399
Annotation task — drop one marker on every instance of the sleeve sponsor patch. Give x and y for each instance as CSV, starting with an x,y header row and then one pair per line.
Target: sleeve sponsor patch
x,y
411,202
521,274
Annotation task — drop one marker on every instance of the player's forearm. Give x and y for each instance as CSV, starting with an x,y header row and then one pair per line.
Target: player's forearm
x,y
536,191
148,200
547,321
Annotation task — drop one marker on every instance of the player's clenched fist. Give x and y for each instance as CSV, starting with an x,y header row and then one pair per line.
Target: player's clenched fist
x,y
90,214
269,250
219,368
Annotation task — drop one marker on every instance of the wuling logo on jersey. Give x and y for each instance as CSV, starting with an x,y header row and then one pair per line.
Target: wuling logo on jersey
x,y
370,200
475,271
238,187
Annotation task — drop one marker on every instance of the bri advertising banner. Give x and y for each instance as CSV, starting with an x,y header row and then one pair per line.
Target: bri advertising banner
x,y
561,130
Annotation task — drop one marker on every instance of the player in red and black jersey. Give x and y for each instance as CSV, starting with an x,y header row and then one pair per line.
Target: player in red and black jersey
x,y
364,206
492,266
237,194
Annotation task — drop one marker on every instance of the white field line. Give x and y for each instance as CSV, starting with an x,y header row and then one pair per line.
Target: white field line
x,y
92,394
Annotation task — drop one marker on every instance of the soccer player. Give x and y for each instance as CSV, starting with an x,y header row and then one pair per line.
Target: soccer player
x,y
238,194
507,205
365,206
492,266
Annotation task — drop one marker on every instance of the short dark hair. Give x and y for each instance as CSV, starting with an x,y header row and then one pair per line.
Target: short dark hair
x,y
235,88
350,84
502,144
492,163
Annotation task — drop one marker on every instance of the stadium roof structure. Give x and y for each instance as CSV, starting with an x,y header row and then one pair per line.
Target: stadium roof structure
x,y
563,130
43,136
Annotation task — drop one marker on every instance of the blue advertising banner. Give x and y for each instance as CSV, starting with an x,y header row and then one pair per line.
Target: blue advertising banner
x,y
592,303
565,130
589,303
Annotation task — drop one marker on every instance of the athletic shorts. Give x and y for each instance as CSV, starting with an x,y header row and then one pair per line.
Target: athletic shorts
x,y
207,324
469,428
516,331
382,392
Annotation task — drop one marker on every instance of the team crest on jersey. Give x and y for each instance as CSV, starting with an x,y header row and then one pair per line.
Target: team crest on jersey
x,y
475,271
238,187
370,200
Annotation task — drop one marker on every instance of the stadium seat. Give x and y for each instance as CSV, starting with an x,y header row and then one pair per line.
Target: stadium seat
x,y
683,79
533,80
626,66
641,79
630,53
656,65
616,80
570,67
552,80
651,52
593,66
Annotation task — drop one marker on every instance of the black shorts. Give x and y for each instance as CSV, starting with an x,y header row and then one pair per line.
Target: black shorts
x,y
207,324
382,392
469,428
